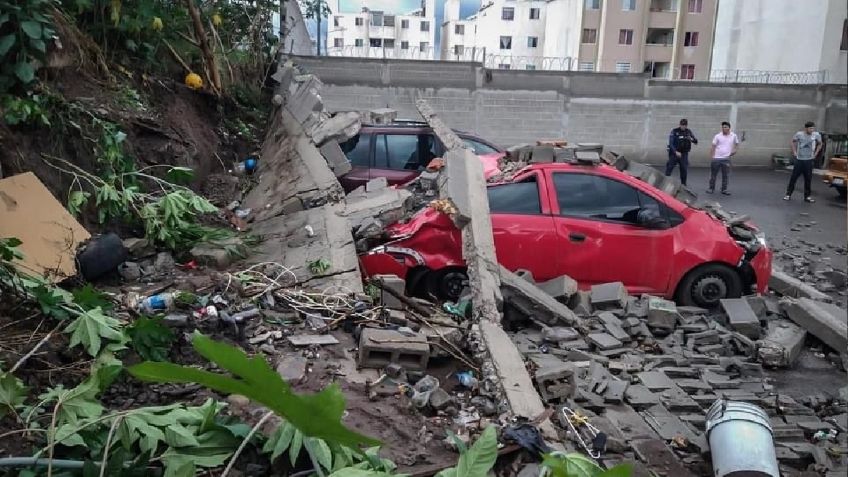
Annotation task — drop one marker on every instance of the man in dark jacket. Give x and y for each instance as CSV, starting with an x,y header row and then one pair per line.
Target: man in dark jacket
x,y
679,144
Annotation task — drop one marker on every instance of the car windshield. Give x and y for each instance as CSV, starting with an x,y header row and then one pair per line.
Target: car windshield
x,y
478,147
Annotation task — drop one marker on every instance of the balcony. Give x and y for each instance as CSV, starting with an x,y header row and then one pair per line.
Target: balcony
x,y
660,37
664,5
662,20
658,53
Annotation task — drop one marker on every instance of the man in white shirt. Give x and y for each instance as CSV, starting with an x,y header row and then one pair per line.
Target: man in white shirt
x,y
806,145
724,147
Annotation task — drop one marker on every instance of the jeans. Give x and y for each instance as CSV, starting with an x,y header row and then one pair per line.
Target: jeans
x,y
673,160
715,166
805,168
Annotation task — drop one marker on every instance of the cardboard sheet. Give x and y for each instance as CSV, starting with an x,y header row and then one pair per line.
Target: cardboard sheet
x,y
50,234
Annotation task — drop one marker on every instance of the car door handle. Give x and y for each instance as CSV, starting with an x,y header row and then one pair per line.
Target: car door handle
x,y
576,237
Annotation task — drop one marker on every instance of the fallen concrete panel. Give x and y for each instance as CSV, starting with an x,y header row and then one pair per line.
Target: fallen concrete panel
x,y
49,234
782,344
533,301
386,205
790,286
824,321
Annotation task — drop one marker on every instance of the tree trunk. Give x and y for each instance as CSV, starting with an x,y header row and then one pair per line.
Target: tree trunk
x,y
208,56
318,16
283,23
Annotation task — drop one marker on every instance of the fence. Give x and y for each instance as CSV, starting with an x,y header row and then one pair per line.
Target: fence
x,y
768,77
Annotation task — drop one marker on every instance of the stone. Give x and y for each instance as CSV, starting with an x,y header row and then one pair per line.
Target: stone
x,y
640,397
558,334
655,380
615,391
823,320
138,247
395,283
292,367
379,348
581,303
782,344
532,301
164,263
562,288
440,399
608,296
790,286
130,271
542,154
740,317
603,341
340,127
704,337
693,385
662,314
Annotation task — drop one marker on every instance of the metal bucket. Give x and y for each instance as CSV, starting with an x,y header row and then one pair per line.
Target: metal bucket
x,y
740,440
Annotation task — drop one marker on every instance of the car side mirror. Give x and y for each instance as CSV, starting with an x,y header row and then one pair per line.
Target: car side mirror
x,y
651,219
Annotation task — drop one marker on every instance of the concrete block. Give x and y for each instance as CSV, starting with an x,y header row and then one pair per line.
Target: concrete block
x,y
640,397
615,391
556,382
336,159
379,348
376,184
340,127
382,116
609,296
564,154
758,305
662,314
740,317
532,301
603,341
558,334
542,155
587,156
782,344
790,286
581,303
655,380
613,326
395,283
562,288
823,320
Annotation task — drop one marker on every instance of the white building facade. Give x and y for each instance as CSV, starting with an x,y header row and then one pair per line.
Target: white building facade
x,y
379,34
515,34
781,41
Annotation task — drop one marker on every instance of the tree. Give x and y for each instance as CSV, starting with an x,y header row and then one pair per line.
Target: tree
x,y
316,9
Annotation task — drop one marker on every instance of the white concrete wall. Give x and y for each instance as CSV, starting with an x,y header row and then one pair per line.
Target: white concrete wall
x,y
563,27
347,33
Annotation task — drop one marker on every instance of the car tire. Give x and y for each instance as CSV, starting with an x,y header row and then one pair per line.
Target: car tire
x,y
706,285
447,284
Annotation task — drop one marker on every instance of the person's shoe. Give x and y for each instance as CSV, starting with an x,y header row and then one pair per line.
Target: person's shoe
x,y
710,191
724,192
809,199
786,197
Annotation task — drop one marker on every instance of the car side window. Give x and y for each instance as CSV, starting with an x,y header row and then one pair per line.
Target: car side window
x,y
596,197
648,202
403,151
515,198
358,150
478,147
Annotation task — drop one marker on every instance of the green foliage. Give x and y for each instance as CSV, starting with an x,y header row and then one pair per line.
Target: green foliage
x,y
319,267
12,393
315,8
91,327
26,28
558,464
477,460
9,249
31,110
150,338
90,298
316,415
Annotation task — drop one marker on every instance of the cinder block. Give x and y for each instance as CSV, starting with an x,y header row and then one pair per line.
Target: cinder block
x,y
741,317
379,348
335,158
395,283
662,314
609,296
562,288
581,303
556,382
782,344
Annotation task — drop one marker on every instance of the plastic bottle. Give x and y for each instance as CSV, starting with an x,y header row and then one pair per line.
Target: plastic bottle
x,y
156,303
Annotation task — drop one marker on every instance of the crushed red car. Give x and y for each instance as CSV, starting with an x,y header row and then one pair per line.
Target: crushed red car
x,y
593,223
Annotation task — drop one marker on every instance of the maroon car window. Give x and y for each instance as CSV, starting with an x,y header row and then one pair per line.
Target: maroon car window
x,y
403,151
595,197
515,198
478,147
358,149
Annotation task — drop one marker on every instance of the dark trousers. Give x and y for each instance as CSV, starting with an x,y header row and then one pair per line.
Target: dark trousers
x,y
805,168
724,166
683,161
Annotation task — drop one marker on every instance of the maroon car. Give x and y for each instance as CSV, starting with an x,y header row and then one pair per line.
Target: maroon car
x,y
399,152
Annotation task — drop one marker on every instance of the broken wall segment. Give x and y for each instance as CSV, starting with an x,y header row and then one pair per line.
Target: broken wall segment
x,y
823,320
782,344
790,286
533,302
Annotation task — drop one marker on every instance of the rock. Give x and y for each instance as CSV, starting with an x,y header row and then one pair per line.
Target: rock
x,y
175,320
164,263
440,399
484,405
559,334
138,247
130,271
292,367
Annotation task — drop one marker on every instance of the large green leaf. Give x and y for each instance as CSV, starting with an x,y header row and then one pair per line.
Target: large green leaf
x,y
355,472
578,465
316,415
180,175
480,457
6,43
25,72
12,393
320,451
91,327
279,441
32,29
621,470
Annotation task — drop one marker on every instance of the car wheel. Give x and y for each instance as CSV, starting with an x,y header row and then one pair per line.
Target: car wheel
x,y
707,285
843,192
447,284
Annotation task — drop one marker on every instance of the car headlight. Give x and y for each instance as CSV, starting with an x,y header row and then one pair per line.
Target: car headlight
x,y
761,237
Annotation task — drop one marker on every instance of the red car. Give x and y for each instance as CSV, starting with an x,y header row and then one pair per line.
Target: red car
x,y
593,223
400,151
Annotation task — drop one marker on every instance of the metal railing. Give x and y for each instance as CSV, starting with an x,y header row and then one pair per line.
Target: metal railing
x,y
768,77
392,52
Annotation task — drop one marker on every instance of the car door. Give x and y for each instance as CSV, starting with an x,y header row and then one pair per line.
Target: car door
x,y
401,157
358,151
523,228
595,218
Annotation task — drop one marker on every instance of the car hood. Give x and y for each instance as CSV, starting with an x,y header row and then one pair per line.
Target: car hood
x,y
491,164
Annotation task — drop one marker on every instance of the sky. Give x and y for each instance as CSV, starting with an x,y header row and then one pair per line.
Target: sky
x,y
467,7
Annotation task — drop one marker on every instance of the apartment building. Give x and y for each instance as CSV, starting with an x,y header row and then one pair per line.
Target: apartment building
x,y
781,41
381,34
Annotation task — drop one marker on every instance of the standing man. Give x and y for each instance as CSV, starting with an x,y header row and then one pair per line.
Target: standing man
x,y
679,144
806,145
724,147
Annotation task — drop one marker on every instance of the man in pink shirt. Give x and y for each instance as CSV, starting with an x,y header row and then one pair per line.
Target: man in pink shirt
x,y
723,148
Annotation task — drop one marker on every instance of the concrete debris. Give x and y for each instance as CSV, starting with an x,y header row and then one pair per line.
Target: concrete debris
x,y
396,284
781,345
741,317
559,334
822,320
609,296
662,314
312,340
340,127
562,288
379,348
292,367
556,382
581,303
792,287
532,301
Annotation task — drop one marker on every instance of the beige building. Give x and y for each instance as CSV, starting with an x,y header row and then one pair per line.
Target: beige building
x,y
672,39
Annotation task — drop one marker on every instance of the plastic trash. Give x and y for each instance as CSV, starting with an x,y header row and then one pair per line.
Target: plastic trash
x,y
101,256
467,379
156,303
423,389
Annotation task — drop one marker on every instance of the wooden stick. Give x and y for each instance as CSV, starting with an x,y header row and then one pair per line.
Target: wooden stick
x,y
35,349
177,56
420,309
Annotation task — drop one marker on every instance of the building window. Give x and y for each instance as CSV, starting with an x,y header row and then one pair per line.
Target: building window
x,y
424,46
844,45
628,5
622,67
404,45
359,21
359,42
535,13
691,38
590,35
425,26
389,20
404,23
687,72
376,18
508,13
458,50
336,21
625,37
506,43
696,6
338,42
532,41
503,66
586,66
389,43
376,42
459,29
530,67
593,4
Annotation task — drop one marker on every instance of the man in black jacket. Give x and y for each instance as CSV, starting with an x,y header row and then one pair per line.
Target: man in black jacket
x,y
679,144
